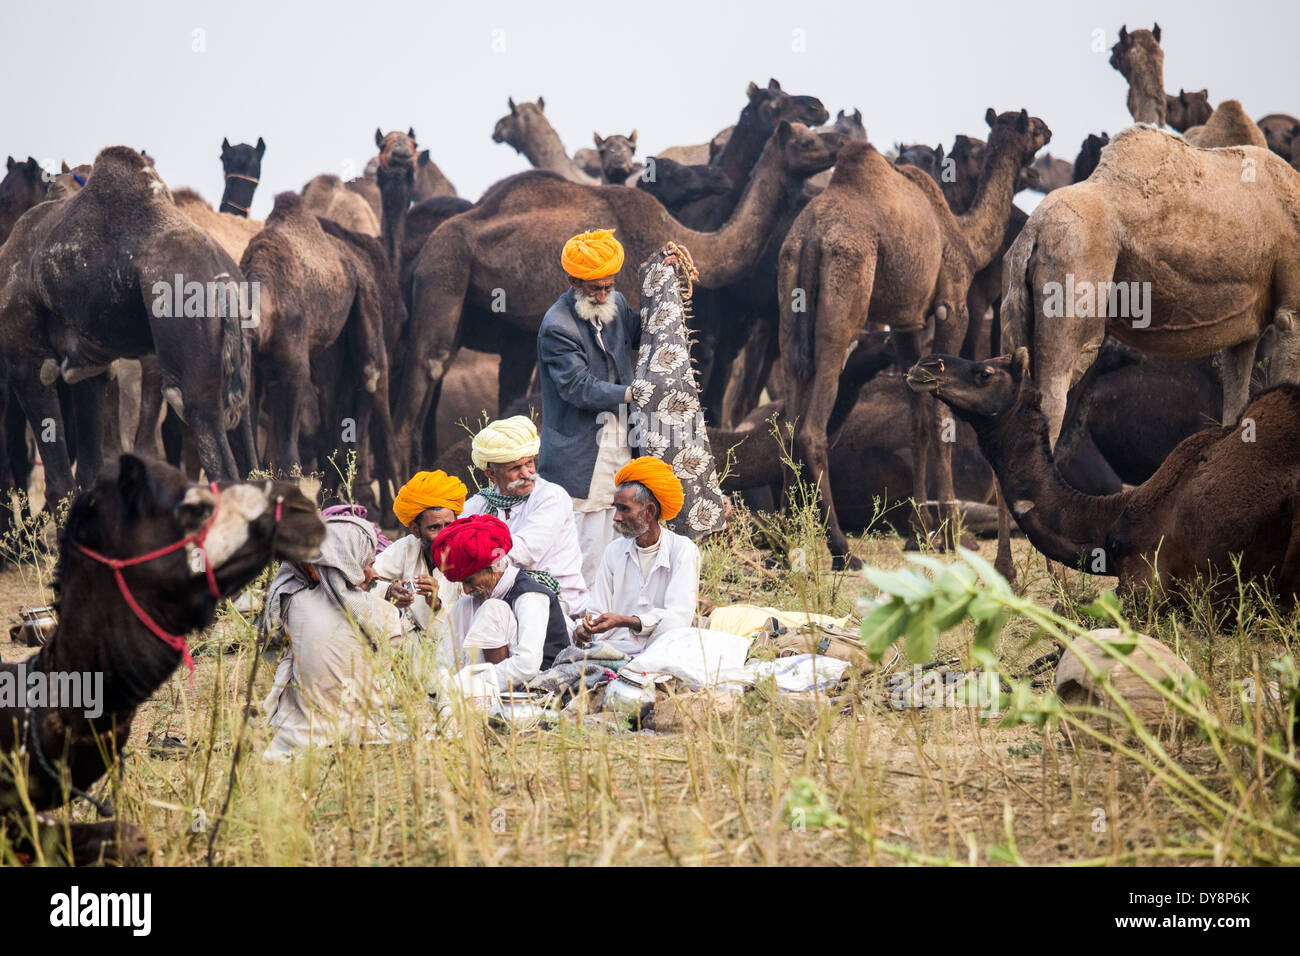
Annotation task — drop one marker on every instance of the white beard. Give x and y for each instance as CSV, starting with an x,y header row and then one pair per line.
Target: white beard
x,y
599,315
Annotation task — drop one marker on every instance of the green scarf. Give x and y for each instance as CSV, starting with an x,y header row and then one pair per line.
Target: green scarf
x,y
496,500
544,578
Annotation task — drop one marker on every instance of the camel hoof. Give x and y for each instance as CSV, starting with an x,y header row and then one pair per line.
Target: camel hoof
x,y
847,562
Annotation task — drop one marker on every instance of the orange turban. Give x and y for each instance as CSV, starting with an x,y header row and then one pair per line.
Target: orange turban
x,y
592,255
429,489
657,475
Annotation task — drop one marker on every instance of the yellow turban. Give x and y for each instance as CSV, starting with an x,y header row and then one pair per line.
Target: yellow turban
x,y
592,255
657,475
429,489
506,440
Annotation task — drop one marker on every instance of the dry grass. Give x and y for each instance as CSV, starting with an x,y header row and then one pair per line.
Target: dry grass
x,y
776,781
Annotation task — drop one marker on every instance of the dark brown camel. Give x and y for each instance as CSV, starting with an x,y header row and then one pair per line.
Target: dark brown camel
x,y
503,256
395,176
881,245
95,281
134,510
1189,519
1281,132
242,165
325,305
1089,156
1186,110
23,186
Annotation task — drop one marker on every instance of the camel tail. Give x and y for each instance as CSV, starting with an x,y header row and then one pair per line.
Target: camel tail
x,y
803,356
236,368
1018,299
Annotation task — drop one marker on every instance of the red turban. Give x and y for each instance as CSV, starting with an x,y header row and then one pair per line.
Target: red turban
x,y
469,545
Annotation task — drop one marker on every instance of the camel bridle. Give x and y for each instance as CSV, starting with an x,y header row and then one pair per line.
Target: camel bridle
x,y
245,178
198,540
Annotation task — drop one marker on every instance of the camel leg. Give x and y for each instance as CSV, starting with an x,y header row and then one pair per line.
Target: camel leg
x,y
1002,563
907,352
518,358
146,430
88,402
172,434
1236,365
41,405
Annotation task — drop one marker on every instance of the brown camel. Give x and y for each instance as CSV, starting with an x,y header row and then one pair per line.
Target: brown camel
x,y
528,130
242,166
1282,131
1138,57
1050,172
395,176
881,245
326,196
1228,125
232,232
135,510
93,279
1189,519
1186,110
503,257
1129,249
368,189
322,307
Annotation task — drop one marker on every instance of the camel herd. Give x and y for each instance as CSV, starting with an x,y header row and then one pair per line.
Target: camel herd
x,y
827,269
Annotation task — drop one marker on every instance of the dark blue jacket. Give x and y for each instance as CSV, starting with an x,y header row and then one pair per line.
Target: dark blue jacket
x,y
576,388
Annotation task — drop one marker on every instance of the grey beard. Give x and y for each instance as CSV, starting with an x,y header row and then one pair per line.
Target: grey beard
x,y
627,530
600,313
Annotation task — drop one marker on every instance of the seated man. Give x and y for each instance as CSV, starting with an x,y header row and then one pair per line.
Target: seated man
x,y
506,618
650,577
538,513
426,504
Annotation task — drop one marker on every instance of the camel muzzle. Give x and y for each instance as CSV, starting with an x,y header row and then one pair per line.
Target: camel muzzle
x,y
924,375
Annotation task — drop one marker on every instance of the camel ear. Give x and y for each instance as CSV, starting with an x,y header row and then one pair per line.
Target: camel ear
x,y
379,137
261,147
1022,122
839,115
10,163
1020,362
65,167
632,139
423,159
225,145
1155,32
752,91
541,103
596,139
857,116
133,484
410,131
772,84
938,154
513,109
784,132
1123,34
990,117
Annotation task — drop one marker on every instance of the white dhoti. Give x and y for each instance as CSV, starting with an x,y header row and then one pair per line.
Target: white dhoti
x,y
594,515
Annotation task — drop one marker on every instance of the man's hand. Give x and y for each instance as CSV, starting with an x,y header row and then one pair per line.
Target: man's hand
x,y
600,623
425,586
399,595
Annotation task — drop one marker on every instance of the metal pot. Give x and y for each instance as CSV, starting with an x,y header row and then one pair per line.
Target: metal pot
x,y
38,624
630,697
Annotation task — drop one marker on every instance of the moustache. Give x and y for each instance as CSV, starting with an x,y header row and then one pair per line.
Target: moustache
x,y
518,483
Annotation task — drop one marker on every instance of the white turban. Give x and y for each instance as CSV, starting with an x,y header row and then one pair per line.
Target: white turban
x,y
506,440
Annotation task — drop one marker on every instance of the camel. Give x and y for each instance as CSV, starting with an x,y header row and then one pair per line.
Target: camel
x,y
108,626
881,244
1228,125
674,184
1146,223
326,196
850,127
1140,59
91,279
231,231
1050,172
1188,520
242,165
611,161
23,186
528,130
1186,110
368,189
1282,131
1089,156
502,257
395,176
326,303
430,183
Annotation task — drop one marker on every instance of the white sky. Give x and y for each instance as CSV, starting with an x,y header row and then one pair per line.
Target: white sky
x,y
315,79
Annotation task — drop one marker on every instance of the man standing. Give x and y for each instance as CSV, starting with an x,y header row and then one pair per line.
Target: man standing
x,y
538,513
426,504
650,577
585,354
506,619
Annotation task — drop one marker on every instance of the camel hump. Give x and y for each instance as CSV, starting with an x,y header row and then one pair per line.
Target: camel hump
x,y
287,204
186,196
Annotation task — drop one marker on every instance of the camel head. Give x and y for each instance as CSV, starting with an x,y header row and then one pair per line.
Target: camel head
x,y
1018,131
928,160
242,160
1140,59
518,126
1186,110
805,151
848,124
675,184
22,188
397,150
617,155
974,390
139,507
1089,155
69,182
772,105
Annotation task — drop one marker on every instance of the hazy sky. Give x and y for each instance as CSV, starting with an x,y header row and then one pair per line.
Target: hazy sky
x,y
315,79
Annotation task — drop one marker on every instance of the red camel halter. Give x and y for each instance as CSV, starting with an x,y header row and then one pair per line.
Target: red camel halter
x,y
197,539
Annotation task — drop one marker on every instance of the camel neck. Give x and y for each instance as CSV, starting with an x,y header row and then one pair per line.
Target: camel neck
x,y
238,196
544,150
725,256
395,189
1064,524
984,223
1146,98
742,151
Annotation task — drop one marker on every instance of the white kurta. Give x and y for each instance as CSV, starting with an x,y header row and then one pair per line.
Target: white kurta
x,y
663,600
521,627
545,539
403,561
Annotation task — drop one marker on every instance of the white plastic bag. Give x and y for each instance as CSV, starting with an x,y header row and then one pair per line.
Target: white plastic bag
x,y
693,655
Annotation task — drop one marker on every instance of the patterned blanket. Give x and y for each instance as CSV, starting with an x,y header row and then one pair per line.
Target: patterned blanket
x,y
667,421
